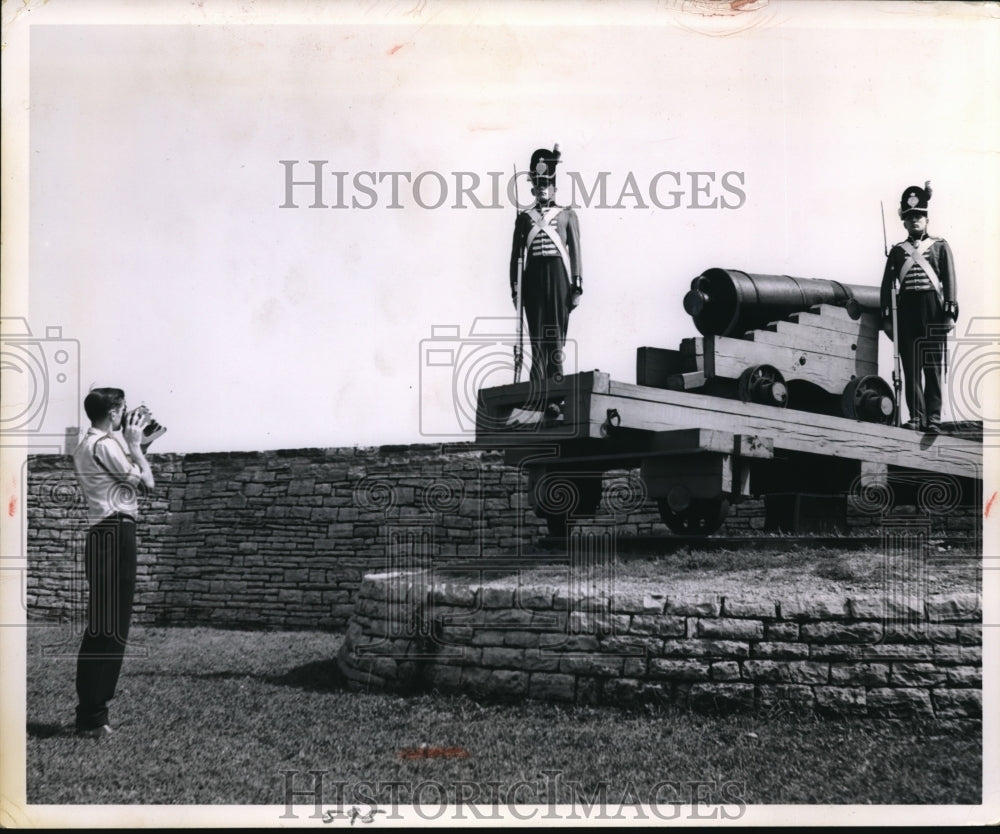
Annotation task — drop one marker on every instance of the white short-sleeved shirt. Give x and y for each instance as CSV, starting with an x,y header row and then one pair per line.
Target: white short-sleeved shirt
x,y
107,475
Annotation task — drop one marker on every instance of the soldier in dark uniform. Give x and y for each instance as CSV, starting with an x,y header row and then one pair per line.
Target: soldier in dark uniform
x,y
547,237
921,270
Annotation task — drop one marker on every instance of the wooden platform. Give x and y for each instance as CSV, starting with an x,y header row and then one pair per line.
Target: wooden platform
x,y
598,407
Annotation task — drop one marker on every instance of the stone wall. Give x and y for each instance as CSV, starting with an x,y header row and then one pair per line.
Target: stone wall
x,y
281,539
858,656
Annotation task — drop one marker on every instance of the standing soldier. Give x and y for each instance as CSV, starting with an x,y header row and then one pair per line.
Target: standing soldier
x,y
920,271
547,244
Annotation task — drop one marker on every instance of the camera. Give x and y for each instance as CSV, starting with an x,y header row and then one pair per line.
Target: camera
x,y
152,430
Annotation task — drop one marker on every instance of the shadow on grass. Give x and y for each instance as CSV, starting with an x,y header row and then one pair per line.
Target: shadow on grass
x,y
318,676
39,729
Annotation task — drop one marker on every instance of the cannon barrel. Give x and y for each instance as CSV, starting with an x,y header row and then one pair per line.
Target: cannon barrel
x,y
728,302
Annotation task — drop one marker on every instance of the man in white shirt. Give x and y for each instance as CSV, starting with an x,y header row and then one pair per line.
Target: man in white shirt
x,y
110,468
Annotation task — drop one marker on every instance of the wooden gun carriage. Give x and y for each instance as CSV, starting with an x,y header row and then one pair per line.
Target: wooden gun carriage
x,y
779,395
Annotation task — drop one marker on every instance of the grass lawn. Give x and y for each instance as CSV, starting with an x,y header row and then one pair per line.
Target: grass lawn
x,y
207,716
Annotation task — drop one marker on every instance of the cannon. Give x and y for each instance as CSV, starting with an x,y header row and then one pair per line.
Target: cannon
x,y
727,302
803,343
778,397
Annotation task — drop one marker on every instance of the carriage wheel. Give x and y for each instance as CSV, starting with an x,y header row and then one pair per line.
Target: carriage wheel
x,y
869,398
701,517
763,384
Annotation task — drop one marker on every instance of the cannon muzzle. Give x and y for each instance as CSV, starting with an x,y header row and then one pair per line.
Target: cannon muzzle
x,y
728,302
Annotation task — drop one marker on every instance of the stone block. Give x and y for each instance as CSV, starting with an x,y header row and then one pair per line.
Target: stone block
x,y
971,654
882,607
631,644
947,655
725,670
780,651
721,697
859,674
786,671
521,639
899,703
537,599
781,632
818,607
634,667
970,635
730,629
917,674
568,642
496,597
685,670
476,680
597,624
749,608
502,657
549,686
504,682
958,703
786,697
507,617
638,603
697,606
705,648
841,700
598,665
538,661
840,632
955,607
663,626
486,637
965,676
895,651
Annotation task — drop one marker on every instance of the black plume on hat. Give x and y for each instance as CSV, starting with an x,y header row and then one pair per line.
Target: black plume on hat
x,y
543,165
915,199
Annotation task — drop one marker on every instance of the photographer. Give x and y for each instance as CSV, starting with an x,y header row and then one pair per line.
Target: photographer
x,y
109,468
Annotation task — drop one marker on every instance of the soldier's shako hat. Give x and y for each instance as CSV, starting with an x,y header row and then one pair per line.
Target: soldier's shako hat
x,y
914,201
542,168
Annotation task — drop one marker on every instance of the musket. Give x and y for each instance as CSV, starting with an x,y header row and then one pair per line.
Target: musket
x,y
519,344
897,373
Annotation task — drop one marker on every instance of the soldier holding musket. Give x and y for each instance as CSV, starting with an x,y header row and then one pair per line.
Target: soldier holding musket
x,y
545,256
920,272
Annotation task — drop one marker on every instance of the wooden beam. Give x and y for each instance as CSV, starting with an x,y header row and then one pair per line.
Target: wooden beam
x,y
657,409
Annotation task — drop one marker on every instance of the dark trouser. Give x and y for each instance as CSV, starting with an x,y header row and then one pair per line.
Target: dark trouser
x,y
110,568
546,291
922,352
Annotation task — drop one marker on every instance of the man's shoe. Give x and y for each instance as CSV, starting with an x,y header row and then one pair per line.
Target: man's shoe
x,y
912,425
97,732
933,428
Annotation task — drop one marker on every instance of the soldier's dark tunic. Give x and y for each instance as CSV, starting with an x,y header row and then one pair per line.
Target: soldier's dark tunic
x,y
547,290
920,319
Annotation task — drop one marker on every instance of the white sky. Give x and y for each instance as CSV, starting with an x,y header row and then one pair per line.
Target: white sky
x,y
156,240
